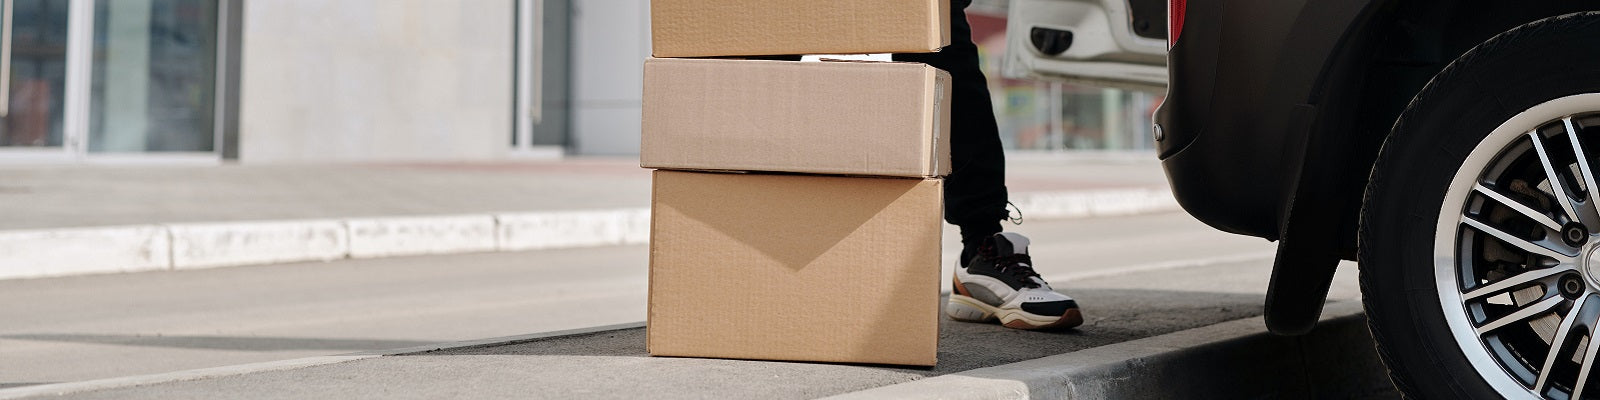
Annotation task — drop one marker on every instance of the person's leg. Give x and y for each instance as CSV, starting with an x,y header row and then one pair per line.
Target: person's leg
x,y
975,191
995,279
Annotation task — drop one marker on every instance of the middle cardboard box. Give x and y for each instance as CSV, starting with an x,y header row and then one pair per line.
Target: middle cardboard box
x,y
796,209
830,117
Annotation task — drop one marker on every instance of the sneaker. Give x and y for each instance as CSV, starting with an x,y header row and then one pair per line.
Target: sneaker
x,y
999,284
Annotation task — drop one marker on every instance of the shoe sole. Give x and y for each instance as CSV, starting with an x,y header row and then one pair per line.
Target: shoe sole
x,y
967,309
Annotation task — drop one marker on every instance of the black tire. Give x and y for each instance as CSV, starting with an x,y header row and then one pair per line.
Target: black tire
x,y
1527,66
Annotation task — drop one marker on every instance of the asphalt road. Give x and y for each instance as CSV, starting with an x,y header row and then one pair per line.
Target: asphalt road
x,y
77,328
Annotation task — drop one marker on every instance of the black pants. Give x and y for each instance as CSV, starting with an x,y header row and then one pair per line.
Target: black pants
x,y
975,191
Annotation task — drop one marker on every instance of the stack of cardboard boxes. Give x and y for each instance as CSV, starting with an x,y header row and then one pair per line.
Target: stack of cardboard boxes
x,y
796,209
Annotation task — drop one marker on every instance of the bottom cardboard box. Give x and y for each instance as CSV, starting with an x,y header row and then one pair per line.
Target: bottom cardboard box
x,y
795,267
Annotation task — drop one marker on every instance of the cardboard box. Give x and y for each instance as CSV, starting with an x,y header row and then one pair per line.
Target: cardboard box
x,y
795,267
713,28
846,118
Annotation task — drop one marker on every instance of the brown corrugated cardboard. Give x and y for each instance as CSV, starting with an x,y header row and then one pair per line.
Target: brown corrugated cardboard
x,y
848,118
711,28
795,267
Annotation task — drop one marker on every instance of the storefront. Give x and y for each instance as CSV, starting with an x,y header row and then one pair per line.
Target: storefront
x,y
214,81
208,81
123,79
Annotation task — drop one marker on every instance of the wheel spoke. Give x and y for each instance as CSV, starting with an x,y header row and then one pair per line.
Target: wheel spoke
x,y
1550,173
1521,243
1525,254
1588,364
1562,333
1583,165
1516,280
1523,314
1520,208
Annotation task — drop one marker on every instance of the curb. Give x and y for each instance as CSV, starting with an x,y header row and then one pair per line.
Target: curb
x,y
1235,359
58,389
44,253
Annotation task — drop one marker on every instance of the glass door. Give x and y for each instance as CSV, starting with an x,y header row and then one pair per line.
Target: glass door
x,y
33,74
154,76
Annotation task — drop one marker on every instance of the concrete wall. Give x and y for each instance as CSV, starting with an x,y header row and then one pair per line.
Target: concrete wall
x,y
610,40
373,80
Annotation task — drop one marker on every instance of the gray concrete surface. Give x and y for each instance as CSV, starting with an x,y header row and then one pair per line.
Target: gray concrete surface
x,y
96,195
91,327
613,364
103,326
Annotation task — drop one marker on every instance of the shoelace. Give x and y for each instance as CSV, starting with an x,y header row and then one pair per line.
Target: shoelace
x,y
1018,265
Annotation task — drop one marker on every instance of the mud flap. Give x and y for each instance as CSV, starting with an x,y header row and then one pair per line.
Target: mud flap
x,y
1308,243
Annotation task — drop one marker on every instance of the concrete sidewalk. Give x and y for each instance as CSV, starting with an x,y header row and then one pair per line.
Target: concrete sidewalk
x,y
69,220
1173,333
103,326
1230,359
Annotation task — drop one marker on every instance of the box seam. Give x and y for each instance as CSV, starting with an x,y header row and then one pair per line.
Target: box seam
x,y
931,113
941,118
937,282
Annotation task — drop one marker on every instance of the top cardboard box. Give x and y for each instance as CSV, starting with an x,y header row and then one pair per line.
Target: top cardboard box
x,y
712,28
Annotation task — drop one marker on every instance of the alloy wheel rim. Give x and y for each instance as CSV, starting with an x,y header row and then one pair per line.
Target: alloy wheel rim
x,y
1517,252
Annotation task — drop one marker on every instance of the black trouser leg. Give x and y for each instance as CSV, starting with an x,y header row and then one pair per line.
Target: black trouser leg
x,y
975,191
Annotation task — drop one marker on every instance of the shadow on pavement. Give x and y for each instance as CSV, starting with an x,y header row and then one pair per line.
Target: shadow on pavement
x,y
4,385
241,343
1111,316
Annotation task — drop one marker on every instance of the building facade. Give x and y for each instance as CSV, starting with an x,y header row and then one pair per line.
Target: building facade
x,y
265,81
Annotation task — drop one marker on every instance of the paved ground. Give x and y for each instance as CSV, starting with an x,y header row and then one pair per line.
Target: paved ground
x,y
97,195
77,328
1138,276
614,364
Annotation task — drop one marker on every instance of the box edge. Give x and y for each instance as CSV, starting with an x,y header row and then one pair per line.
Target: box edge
x,y
650,279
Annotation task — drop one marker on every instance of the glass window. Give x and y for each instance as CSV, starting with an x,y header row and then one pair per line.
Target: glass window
x,y
549,44
38,74
1055,116
154,76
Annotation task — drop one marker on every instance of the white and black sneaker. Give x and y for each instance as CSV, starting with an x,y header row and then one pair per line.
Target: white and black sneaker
x,y
999,283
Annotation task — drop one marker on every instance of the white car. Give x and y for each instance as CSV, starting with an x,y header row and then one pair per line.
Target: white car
x,y
1112,43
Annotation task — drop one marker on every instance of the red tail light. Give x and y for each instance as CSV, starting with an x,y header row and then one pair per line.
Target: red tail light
x,y
1174,20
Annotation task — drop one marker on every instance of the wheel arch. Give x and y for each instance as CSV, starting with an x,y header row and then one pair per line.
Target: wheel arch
x,y
1384,57
1416,40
